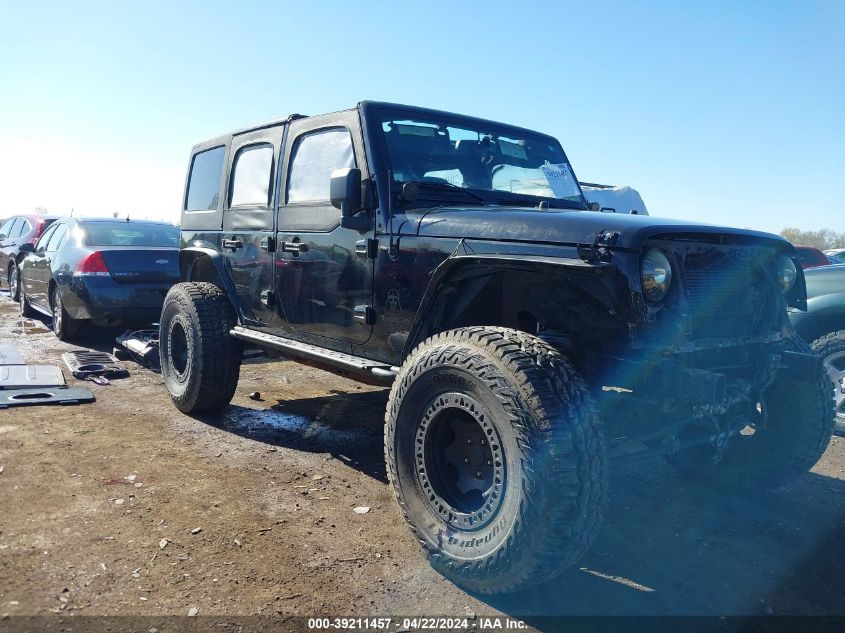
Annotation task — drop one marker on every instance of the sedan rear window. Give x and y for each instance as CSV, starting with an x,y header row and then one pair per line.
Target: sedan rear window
x,y
130,234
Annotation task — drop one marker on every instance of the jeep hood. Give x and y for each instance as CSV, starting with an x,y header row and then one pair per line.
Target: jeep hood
x,y
569,227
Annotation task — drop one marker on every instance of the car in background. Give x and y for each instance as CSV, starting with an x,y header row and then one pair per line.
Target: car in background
x,y
823,325
837,253
14,233
811,257
105,271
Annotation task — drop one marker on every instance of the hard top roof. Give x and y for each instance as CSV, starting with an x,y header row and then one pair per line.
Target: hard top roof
x,y
366,106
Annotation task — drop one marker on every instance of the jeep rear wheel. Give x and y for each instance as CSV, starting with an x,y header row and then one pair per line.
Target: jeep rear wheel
x,y
797,429
200,361
496,457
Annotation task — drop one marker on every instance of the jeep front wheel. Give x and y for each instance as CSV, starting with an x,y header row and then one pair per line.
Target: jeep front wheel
x,y
496,457
200,361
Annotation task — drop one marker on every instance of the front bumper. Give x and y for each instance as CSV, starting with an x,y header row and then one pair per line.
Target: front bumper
x,y
685,381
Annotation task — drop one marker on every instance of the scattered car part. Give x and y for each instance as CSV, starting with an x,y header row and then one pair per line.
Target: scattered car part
x,y
30,397
85,363
9,355
30,376
142,345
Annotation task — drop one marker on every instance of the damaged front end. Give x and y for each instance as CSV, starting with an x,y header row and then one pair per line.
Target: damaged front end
x,y
705,353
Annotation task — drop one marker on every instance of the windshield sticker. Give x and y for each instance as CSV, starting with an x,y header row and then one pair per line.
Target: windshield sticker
x,y
512,149
561,180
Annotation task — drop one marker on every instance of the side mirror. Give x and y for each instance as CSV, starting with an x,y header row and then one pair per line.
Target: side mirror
x,y
345,194
595,206
26,247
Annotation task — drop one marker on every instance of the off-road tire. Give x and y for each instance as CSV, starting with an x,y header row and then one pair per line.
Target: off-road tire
x,y
828,347
14,282
26,310
196,318
554,483
64,326
798,429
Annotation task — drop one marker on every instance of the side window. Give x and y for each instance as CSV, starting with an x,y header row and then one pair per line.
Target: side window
x,y
315,157
26,227
15,230
5,229
58,238
41,245
204,182
252,173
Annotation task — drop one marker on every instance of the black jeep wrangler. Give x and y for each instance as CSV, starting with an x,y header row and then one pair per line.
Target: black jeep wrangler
x,y
530,340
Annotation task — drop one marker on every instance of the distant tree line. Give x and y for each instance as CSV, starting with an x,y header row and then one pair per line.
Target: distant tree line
x,y
822,239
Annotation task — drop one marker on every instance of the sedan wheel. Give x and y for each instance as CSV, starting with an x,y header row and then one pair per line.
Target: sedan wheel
x,y
832,350
64,326
835,367
14,284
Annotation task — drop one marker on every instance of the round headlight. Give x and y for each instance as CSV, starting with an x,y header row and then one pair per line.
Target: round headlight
x,y
787,273
656,274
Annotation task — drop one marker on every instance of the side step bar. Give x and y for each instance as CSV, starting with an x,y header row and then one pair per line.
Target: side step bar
x,y
355,367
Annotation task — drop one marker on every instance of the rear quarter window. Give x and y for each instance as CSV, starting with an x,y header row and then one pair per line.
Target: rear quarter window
x,y
204,181
252,173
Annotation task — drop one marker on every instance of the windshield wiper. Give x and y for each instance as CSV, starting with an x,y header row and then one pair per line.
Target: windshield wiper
x,y
412,190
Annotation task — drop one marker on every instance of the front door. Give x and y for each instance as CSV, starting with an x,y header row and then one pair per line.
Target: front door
x,y
36,280
247,238
323,281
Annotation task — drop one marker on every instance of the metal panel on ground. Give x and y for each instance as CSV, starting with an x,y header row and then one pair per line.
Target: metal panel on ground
x,y
30,376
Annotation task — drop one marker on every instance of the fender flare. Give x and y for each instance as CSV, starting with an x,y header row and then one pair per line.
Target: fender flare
x,y
452,267
217,271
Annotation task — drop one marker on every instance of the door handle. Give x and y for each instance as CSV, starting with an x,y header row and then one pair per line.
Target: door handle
x,y
294,247
233,244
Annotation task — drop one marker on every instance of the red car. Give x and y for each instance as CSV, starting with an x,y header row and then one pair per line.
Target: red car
x,y
14,232
811,257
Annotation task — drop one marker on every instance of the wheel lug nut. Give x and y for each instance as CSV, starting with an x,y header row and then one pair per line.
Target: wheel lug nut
x,y
489,462
478,474
483,442
466,460
469,441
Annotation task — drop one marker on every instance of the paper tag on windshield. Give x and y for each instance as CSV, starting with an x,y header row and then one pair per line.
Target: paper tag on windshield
x,y
561,180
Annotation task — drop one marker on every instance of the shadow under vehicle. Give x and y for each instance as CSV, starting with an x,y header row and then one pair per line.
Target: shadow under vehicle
x,y
531,341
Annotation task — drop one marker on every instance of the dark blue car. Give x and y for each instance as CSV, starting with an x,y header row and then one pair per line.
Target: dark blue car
x,y
105,271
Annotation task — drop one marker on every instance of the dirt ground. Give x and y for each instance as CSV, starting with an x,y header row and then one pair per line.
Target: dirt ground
x,y
126,506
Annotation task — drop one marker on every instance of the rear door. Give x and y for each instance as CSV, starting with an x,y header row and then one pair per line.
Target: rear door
x,y
247,243
323,275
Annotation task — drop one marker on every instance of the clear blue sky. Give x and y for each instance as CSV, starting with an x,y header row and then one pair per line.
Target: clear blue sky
x,y
728,112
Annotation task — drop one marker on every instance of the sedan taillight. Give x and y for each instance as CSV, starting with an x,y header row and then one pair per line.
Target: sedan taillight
x,y
92,265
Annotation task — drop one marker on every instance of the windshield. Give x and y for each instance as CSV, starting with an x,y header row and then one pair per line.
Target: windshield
x,y
130,234
482,157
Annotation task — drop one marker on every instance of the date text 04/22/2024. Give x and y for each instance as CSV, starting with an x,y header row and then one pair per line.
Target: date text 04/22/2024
x,y
416,623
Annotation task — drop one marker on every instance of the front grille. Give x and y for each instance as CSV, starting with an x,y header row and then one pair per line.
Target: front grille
x,y
729,293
